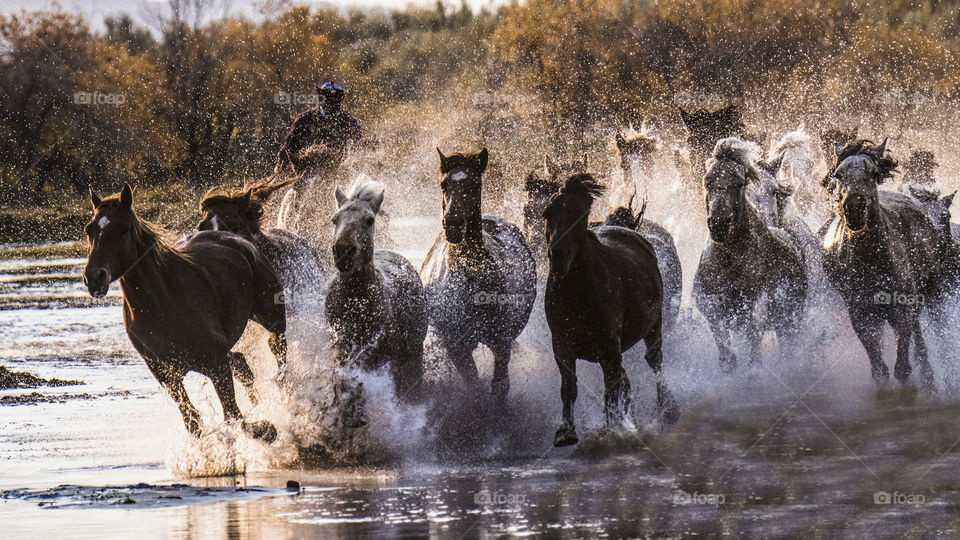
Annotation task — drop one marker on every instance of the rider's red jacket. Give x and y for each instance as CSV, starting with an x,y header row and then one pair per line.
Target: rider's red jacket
x,y
310,127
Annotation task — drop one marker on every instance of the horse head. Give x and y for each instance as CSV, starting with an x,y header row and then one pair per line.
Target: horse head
x,y
112,243
238,211
566,218
354,224
461,187
706,128
634,152
730,170
861,167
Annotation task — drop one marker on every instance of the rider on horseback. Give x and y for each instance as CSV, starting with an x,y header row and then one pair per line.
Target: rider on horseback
x,y
320,135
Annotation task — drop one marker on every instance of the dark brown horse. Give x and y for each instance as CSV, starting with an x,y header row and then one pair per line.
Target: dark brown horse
x,y
882,254
375,301
604,294
540,185
479,275
706,128
241,212
184,307
749,261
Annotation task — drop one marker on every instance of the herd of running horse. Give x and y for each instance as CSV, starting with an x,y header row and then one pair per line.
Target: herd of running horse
x,y
889,254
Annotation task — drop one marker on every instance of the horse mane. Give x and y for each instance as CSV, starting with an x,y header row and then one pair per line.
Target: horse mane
x,y
583,185
794,139
255,195
145,233
366,189
885,163
737,150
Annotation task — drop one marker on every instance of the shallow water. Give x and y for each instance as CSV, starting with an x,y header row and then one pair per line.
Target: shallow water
x,y
802,445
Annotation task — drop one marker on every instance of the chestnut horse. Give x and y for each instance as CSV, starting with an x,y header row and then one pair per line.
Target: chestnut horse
x,y
242,212
184,307
479,275
604,294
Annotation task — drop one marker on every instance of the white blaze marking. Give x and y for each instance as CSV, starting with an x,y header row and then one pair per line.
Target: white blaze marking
x,y
459,175
102,223
213,222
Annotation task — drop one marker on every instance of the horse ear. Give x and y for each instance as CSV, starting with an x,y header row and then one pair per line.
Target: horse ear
x,y
584,161
686,117
483,156
95,199
443,158
376,201
341,196
947,200
126,196
621,142
879,151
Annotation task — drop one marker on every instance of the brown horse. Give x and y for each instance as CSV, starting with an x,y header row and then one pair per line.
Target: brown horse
x,y
241,212
479,275
604,294
882,254
540,185
706,128
184,307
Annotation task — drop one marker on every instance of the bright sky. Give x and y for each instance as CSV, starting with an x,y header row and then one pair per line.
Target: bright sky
x,y
95,10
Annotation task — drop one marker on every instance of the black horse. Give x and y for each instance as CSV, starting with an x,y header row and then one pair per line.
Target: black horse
x,y
749,260
539,186
479,275
604,294
882,254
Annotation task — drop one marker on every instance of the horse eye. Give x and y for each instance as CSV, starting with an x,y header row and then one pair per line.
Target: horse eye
x,y
369,221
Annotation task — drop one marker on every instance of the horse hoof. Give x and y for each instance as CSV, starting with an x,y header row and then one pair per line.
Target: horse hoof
x,y
565,437
261,430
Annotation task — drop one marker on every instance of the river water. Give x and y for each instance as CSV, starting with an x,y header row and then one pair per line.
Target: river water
x,y
801,446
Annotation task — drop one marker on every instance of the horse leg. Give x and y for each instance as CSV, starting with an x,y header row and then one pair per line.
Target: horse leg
x,y
755,338
461,355
870,333
666,403
222,379
721,334
278,346
191,417
408,374
923,360
500,386
241,370
567,362
616,399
